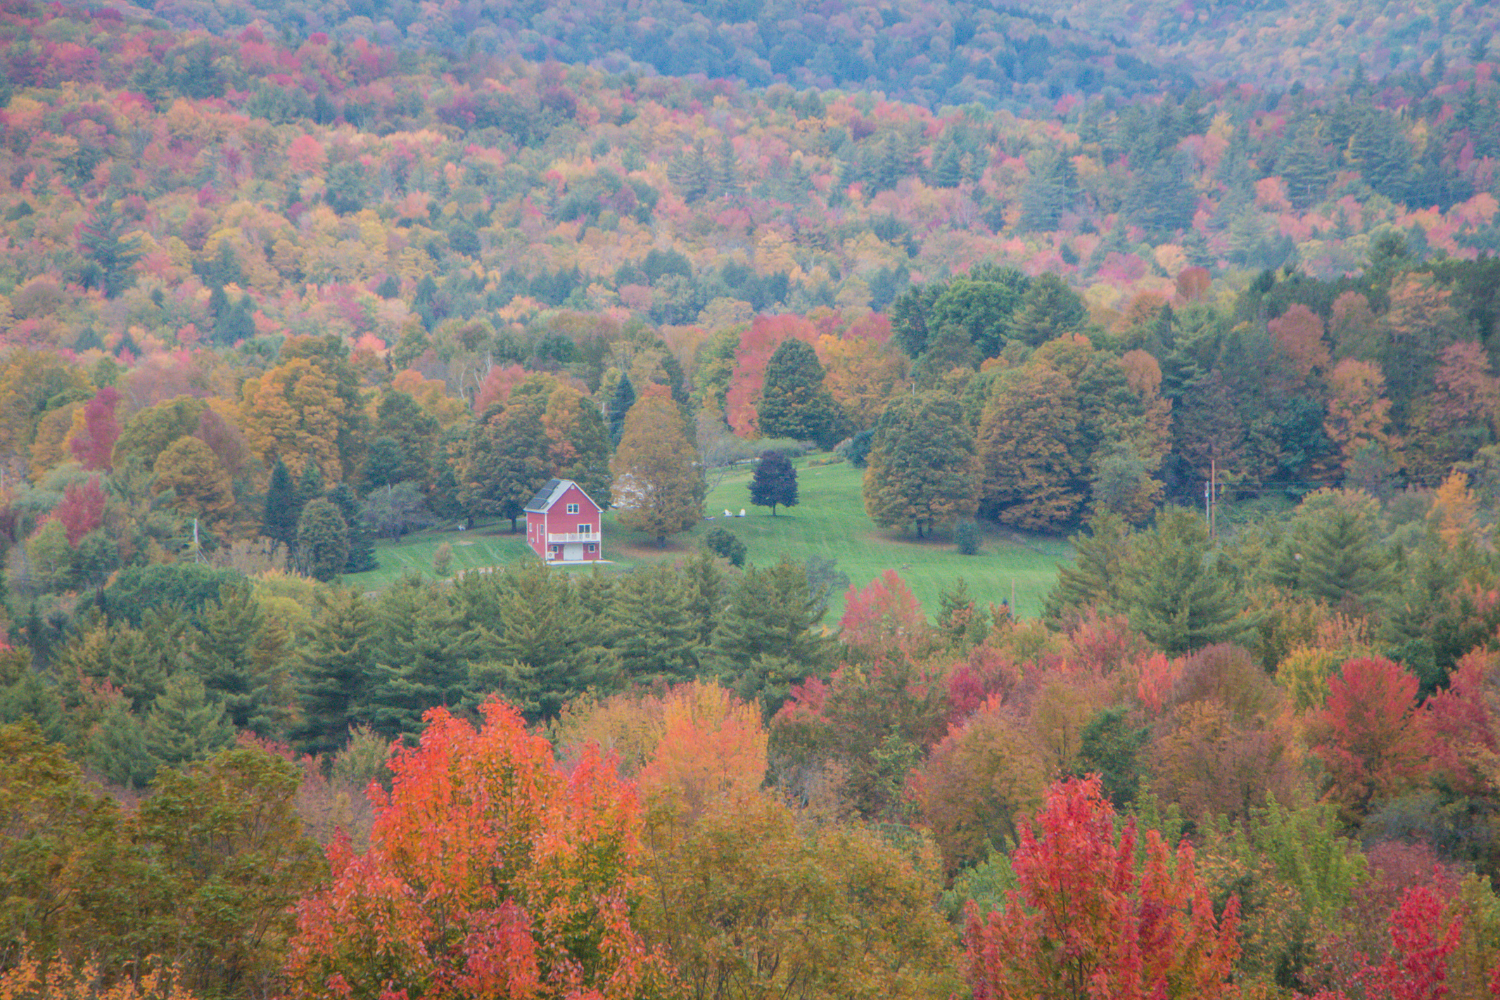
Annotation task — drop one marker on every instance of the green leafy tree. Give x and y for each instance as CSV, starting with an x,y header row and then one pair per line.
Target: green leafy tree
x,y
794,403
921,470
774,482
659,485
506,461
1028,441
361,558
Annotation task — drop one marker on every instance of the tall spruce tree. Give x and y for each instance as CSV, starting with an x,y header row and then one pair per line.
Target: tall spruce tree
x,y
221,653
794,402
620,402
322,540
774,482
336,669
186,724
767,639
921,469
1099,575
361,540
421,652
1177,596
279,522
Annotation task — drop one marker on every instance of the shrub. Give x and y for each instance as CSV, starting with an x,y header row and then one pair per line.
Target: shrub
x,y
966,537
442,560
723,542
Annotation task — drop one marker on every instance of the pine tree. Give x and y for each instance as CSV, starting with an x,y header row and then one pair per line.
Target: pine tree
x,y
766,639
336,669
280,520
620,402
361,541
659,485
221,654
651,631
1098,577
774,482
186,725
1177,597
104,239
794,403
322,540
921,469
421,652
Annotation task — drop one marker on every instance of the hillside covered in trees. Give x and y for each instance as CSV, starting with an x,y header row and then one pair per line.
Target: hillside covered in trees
x,y
278,286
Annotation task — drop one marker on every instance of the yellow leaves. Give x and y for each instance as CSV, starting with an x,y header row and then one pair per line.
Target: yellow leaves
x,y
1454,510
294,412
66,980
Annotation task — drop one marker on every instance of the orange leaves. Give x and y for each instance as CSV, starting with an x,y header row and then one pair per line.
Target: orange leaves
x,y
490,872
713,744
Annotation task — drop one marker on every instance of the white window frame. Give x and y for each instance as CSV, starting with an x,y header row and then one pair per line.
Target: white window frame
x,y
572,508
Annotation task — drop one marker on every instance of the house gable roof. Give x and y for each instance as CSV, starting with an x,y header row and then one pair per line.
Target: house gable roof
x,y
552,492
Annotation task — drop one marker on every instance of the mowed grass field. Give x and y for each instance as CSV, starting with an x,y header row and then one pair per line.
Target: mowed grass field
x,y
829,521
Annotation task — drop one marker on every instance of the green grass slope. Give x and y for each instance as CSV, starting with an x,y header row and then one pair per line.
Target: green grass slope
x,y
830,521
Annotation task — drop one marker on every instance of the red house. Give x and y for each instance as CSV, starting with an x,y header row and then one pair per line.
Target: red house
x,y
562,523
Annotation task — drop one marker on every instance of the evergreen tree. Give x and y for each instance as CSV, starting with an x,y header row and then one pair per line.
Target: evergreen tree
x,y
659,485
361,540
794,403
1097,579
708,596
1048,310
117,748
767,639
921,469
221,652
336,669
186,725
1177,596
322,540
103,238
774,482
589,440
421,651
650,628
1333,552
620,402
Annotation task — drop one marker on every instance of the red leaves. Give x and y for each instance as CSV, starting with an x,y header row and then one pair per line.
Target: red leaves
x,y
94,443
883,618
1087,923
1366,735
81,509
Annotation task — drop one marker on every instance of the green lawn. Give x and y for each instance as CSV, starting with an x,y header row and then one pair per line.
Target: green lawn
x,y
829,521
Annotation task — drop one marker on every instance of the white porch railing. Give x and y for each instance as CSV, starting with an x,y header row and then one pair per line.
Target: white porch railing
x,y
572,537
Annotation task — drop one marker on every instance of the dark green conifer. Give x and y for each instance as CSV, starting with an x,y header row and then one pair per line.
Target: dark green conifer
x,y
794,403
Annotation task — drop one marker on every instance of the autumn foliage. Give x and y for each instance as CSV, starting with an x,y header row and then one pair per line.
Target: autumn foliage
x,y
489,873
1091,921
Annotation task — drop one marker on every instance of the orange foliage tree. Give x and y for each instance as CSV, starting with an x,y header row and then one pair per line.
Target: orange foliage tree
x,y
490,872
1090,921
